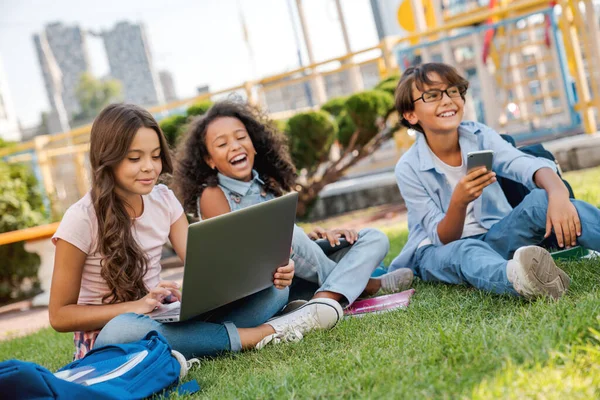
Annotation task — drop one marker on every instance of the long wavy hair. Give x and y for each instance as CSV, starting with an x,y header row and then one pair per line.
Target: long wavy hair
x,y
123,263
272,161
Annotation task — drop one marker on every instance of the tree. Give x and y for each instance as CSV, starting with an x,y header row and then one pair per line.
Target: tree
x,y
310,137
174,126
94,94
21,207
361,127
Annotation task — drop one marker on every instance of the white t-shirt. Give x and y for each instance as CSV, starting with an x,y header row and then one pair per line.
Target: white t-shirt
x,y
454,175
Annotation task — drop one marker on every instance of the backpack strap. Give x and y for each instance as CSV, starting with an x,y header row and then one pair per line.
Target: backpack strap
x,y
188,387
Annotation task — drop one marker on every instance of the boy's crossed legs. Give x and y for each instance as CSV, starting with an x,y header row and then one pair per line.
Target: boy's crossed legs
x,y
482,261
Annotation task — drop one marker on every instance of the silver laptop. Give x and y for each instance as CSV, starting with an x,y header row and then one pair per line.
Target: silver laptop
x,y
232,256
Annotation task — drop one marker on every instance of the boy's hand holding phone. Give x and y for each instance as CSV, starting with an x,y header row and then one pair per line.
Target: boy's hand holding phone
x,y
471,186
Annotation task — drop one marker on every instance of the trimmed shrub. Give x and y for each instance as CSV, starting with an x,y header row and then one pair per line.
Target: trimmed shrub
x,y
311,135
173,127
365,109
280,124
388,84
346,128
335,106
199,108
21,206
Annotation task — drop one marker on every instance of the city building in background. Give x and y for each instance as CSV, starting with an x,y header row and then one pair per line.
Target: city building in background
x,y
385,13
130,61
168,86
202,89
9,126
63,57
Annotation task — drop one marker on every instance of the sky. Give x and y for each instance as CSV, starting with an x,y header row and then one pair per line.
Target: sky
x,y
199,41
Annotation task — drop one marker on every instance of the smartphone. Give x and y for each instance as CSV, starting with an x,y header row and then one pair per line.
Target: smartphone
x,y
483,158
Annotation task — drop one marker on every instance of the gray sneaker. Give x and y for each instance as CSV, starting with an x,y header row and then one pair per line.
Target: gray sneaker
x,y
396,281
533,273
319,313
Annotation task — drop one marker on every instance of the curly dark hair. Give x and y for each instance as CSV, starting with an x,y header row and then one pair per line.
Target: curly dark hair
x,y
272,161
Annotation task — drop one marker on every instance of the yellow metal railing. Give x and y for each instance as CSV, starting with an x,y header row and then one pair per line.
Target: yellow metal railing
x,y
53,151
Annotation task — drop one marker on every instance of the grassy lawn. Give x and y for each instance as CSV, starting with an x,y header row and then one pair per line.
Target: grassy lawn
x,y
452,342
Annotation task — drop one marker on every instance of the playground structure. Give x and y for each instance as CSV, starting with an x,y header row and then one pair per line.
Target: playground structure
x,y
530,64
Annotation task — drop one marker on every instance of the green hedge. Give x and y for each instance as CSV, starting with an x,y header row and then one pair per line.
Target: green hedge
x,y
199,108
311,135
346,128
335,106
21,206
173,127
388,84
365,108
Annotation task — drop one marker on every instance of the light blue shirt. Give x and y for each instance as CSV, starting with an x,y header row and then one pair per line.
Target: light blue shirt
x,y
427,193
240,194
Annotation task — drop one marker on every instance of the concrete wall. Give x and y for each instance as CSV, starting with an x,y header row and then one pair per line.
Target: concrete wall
x,y
578,152
355,194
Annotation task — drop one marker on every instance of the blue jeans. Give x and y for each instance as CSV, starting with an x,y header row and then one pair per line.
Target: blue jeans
x,y
344,272
481,260
206,335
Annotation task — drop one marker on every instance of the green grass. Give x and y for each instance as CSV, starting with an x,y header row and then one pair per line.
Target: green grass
x,y
586,184
452,342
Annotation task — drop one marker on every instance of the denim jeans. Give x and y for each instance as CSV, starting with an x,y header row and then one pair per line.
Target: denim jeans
x,y
481,260
345,272
206,335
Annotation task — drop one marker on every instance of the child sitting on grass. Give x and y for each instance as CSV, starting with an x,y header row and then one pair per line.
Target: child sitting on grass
x,y
231,158
461,227
108,246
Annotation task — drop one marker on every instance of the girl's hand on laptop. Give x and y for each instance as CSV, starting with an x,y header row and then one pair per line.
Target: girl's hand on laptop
x,y
156,296
334,235
284,275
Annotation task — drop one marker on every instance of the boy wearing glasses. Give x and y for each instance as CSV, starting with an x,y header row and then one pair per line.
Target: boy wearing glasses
x,y
461,227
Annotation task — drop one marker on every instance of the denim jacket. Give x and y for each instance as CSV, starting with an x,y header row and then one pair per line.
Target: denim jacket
x,y
240,194
427,193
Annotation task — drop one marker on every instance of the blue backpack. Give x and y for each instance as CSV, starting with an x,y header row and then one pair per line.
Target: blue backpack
x,y
515,192
124,371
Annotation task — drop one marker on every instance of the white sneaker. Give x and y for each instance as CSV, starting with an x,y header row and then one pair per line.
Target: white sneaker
x,y
396,281
292,306
321,313
533,273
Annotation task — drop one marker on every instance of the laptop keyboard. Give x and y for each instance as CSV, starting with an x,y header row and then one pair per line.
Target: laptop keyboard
x,y
166,310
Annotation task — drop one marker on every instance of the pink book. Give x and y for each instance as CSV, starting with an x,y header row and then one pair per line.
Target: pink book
x,y
380,304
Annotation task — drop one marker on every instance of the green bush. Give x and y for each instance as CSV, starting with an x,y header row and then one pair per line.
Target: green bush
x,y
21,206
392,78
173,127
199,108
388,84
311,135
346,128
335,106
4,143
365,108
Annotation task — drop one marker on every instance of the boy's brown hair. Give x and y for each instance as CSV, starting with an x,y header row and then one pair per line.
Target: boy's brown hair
x,y
419,75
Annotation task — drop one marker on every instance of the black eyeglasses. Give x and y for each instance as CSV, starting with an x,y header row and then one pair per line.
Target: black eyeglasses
x,y
433,95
